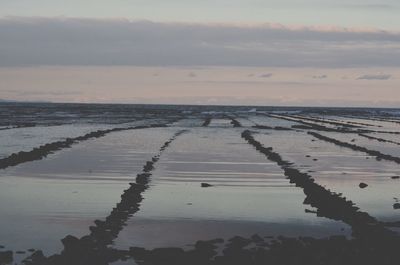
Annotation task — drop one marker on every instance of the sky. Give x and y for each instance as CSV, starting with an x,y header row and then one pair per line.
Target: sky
x,y
298,52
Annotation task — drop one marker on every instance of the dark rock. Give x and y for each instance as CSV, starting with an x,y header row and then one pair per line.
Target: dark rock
x,y
6,257
395,177
70,243
256,238
143,178
138,253
20,252
205,185
37,258
167,255
207,122
301,127
280,128
309,211
396,206
362,185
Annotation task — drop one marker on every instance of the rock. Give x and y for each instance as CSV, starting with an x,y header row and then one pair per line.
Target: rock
x,y
395,177
6,257
70,243
166,255
396,206
310,211
256,238
142,178
138,253
205,185
20,252
36,258
363,185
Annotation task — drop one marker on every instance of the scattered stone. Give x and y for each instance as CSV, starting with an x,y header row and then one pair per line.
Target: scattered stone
x,y
31,250
396,206
396,177
362,185
205,185
20,252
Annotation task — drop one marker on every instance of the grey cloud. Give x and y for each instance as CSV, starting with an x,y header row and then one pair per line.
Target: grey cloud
x,y
67,41
266,75
320,77
375,77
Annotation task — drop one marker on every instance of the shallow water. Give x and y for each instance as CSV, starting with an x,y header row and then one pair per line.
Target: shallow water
x,y
43,201
341,170
249,195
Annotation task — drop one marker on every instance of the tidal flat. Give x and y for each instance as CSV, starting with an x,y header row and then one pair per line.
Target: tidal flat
x,y
160,184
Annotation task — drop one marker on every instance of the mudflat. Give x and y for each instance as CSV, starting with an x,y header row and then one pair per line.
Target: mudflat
x,y
158,184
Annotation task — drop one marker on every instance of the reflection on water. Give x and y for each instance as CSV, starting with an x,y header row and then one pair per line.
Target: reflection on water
x,y
43,201
249,195
341,170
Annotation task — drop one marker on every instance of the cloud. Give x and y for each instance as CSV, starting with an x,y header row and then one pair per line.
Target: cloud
x,y
320,77
104,42
266,75
375,77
